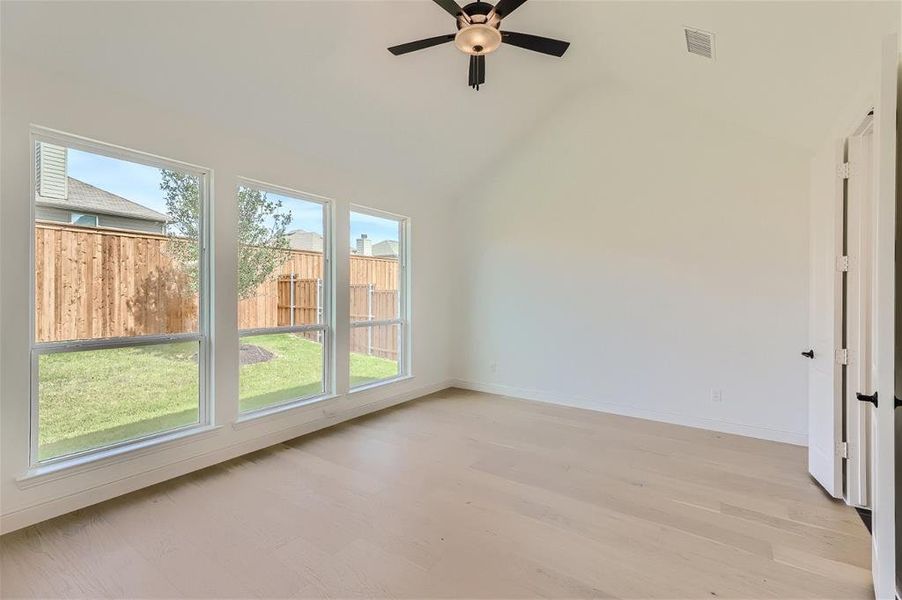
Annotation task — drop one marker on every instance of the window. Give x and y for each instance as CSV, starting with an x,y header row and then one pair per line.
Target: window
x,y
120,339
378,297
83,220
283,297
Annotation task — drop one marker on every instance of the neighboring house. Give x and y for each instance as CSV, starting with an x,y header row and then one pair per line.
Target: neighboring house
x,y
383,249
300,239
364,245
386,249
63,199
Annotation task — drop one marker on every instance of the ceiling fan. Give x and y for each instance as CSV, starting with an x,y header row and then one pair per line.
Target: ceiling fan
x,y
479,33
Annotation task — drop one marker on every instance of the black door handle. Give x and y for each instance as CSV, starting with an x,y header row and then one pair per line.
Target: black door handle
x,y
864,398
809,354
898,402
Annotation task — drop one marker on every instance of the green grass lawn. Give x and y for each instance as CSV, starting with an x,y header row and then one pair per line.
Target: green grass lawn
x,y
296,371
99,397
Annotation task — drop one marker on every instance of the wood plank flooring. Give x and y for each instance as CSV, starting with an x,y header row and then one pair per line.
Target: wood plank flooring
x,y
464,494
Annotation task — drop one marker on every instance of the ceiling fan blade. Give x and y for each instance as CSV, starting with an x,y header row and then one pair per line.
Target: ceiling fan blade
x,y
506,7
477,71
450,6
535,43
420,44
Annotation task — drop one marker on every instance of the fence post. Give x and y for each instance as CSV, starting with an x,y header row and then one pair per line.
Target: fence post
x,y
291,299
369,316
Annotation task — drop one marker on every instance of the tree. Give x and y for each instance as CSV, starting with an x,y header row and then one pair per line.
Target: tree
x,y
262,244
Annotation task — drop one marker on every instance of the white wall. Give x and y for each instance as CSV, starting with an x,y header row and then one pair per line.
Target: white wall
x,y
632,256
30,96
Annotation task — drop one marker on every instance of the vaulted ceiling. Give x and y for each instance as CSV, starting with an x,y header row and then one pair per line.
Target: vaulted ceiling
x,y
317,76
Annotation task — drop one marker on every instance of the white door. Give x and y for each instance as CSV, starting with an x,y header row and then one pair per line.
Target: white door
x,y
825,405
860,307
883,557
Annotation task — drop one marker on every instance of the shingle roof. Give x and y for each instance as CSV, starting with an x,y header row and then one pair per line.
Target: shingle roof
x,y
85,197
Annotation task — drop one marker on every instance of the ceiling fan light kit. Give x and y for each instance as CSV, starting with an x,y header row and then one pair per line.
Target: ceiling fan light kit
x,y
477,39
479,33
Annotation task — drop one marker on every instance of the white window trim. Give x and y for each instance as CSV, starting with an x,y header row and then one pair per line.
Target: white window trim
x,y
405,353
327,327
74,464
202,336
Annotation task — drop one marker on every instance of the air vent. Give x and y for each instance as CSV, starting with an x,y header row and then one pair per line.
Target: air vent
x,y
700,42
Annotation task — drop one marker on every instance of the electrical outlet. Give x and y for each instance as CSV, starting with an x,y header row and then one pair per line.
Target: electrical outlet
x,y
716,395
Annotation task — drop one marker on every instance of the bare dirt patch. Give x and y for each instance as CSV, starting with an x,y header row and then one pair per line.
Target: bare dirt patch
x,y
248,354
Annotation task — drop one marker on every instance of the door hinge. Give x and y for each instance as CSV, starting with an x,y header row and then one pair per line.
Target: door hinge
x,y
842,449
844,170
842,356
842,263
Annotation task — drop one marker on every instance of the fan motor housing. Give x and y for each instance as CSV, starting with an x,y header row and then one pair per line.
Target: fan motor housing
x,y
478,13
477,8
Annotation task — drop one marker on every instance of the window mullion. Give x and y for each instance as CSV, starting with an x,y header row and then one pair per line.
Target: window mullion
x,y
112,343
376,323
286,329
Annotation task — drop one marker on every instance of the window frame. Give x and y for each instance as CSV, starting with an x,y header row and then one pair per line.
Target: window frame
x,y
404,313
36,349
327,326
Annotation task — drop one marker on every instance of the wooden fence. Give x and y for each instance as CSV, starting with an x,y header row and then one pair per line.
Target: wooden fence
x,y
262,309
369,303
92,283
300,302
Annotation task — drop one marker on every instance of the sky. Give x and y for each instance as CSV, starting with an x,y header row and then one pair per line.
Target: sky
x,y
141,184
376,228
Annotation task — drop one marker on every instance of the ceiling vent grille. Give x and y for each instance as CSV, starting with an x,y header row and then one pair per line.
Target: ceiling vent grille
x,y
700,42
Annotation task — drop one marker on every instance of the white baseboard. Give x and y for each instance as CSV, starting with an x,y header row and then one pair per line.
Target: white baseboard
x,y
764,433
59,506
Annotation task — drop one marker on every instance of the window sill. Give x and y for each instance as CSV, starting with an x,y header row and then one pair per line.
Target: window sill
x,y
102,458
261,415
380,383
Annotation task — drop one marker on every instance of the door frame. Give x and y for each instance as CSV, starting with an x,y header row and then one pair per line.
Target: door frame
x,y
883,559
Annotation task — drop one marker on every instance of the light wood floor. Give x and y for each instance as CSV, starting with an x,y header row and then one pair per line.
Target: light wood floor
x,y
462,494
